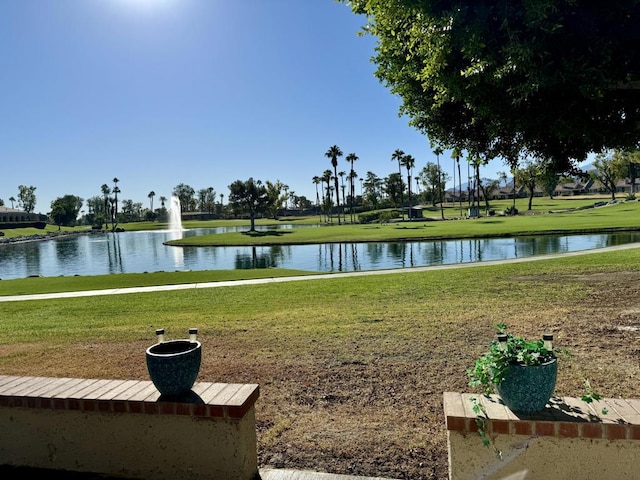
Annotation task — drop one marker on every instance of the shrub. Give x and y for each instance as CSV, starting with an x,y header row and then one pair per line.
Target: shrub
x,y
511,211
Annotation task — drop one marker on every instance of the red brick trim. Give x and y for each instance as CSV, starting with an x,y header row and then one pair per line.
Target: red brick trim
x,y
564,417
213,400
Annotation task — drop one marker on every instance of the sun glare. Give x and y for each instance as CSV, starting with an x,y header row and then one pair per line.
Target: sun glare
x,y
145,4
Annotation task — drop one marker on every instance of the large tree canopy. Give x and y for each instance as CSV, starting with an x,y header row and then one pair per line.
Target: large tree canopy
x,y
64,210
556,79
249,196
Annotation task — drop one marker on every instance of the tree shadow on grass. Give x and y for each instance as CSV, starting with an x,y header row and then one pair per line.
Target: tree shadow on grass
x,y
265,233
417,227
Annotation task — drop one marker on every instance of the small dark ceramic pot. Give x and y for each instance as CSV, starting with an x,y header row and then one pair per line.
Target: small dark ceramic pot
x,y
527,389
174,366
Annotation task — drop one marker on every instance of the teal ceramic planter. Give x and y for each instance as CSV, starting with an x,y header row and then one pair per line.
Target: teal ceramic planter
x,y
174,366
527,389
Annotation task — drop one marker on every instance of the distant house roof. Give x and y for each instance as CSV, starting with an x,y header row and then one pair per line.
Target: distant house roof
x,y
4,209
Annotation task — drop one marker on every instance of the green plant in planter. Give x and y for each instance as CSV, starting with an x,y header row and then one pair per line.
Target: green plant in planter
x,y
505,368
491,369
493,366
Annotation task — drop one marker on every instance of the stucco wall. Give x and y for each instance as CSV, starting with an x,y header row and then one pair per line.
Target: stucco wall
x,y
569,439
532,458
132,445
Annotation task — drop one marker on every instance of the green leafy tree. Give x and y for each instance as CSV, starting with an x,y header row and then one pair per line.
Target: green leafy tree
x,y
634,168
96,213
303,203
276,197
186,195
64,210
27,198
250,197
431,177
609,167
548,180
393,187
528,176
206,199
490,76
131,211
488,187
372,188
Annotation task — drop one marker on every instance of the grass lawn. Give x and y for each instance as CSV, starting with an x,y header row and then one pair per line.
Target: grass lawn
x,y
351,370
622,216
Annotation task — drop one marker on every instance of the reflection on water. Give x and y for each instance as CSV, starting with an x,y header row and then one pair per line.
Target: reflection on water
x,y
127,252
178,253
255,259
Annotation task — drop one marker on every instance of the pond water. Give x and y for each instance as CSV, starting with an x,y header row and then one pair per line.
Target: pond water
x,y
129,252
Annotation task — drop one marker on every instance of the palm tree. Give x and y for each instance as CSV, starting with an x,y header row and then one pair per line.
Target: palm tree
x,y
316,181
114,216
475,161
352,157
437,152
344,201
409,162
162,200
352,178
12,199
334,153
105,194
150,196
398,155
326,177
502,177
457,154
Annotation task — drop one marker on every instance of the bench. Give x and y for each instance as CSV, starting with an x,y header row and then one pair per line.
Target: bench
x,y
124,428
568,439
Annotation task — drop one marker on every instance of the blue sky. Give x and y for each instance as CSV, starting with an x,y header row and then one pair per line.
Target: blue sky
x,y
201,92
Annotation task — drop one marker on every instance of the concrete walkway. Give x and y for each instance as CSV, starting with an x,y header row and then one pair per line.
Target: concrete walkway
x,y
233,283
278,474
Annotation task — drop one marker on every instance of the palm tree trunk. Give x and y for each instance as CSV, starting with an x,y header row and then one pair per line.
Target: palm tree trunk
x,y
459,185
